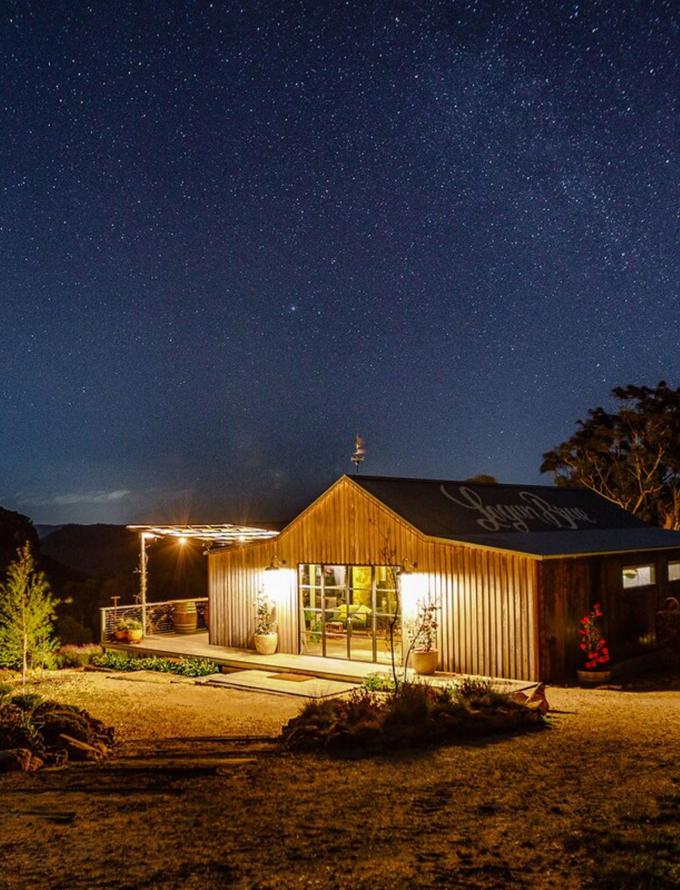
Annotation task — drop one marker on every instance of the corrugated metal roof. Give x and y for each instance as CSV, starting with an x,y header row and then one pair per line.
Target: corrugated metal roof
x,y
536,519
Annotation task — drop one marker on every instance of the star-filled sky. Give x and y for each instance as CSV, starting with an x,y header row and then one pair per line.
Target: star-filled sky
x,y
234,234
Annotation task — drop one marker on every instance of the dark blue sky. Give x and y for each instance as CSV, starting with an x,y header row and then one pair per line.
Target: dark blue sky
x,y
234,234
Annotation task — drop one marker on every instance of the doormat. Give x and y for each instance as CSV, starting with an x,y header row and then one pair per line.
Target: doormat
x,y
293,678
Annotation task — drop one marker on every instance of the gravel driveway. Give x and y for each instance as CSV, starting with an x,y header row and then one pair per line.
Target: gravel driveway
x,y
593,801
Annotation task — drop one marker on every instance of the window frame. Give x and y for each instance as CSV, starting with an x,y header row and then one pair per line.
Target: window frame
x,y
636,568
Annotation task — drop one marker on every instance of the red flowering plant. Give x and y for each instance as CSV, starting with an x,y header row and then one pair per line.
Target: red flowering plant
x,y
592,641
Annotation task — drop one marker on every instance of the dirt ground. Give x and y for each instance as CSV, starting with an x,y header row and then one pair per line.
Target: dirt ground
x,y
593,801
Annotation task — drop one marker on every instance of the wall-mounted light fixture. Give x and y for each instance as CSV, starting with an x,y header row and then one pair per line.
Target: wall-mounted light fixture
x,y
413,588
276,580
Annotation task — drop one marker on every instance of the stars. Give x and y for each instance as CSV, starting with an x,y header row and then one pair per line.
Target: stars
x,y
355,207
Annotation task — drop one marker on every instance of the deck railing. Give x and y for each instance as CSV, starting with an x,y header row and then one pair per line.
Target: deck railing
x,y
155,618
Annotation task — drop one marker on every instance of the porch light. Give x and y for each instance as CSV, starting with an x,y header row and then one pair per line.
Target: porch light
x,y
276,580
414,588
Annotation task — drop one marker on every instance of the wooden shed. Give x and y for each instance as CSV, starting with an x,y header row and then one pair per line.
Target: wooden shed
x,y
513,568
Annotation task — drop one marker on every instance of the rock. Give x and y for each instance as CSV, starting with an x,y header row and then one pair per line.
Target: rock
x,y
304,738
101,746
16,760
54,723
36,763
538,701
78,750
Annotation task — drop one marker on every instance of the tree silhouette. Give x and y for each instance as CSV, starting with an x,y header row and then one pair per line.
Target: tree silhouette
x,y
630,456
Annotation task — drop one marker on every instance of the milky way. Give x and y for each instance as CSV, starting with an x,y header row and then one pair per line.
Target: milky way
x,y
232,235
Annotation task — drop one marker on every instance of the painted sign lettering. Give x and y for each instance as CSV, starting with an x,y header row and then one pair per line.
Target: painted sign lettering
x,y
530,507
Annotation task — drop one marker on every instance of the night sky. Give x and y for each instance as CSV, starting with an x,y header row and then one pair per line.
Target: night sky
x,y
232,235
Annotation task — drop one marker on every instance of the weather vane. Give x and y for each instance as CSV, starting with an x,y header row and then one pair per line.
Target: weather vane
x,y
358,457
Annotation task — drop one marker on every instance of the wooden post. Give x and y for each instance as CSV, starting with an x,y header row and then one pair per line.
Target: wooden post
x,y
142,579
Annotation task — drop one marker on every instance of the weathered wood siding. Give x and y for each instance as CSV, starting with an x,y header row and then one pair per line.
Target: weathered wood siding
x,y
488,598
568,588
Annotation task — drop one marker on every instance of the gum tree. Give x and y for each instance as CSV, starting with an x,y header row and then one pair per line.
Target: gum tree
x,y
631,456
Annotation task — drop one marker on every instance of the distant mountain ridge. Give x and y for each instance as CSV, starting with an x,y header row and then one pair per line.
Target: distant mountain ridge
x,y
100,551
45,530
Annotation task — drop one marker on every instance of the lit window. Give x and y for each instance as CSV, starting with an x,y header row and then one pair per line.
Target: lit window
x,y
674,571
638,576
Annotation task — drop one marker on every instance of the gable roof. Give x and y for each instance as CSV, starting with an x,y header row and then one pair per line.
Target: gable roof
x,y
542,520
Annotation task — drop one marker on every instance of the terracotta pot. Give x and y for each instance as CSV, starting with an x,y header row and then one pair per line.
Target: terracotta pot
x,y
593,678
120,635
135,636
265,644
425,663
185,617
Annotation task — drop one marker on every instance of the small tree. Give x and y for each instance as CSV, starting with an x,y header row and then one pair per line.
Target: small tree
x,y
26,615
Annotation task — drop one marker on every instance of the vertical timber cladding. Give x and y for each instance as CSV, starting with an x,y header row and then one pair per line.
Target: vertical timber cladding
x,y
488,622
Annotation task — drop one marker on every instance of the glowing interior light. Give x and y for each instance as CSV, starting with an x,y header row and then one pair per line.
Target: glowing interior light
x,y
182,540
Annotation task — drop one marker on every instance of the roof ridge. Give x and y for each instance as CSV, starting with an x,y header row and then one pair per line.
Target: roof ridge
x,y
357,477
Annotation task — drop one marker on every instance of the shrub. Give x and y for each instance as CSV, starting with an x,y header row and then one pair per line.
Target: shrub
x,y
415,714
186,667
361,705
71,655
473,692
71,631
378,683
411,706
25,701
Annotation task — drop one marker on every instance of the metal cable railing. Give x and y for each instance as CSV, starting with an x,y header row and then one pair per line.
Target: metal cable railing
x,y
156,618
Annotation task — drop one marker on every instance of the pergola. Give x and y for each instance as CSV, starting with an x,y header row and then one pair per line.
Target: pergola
x,y
207,534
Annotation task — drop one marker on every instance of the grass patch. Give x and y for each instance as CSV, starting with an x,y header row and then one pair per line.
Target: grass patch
x,y
646,856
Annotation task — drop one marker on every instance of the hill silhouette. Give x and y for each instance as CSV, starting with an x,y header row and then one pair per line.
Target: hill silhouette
x,y
88,565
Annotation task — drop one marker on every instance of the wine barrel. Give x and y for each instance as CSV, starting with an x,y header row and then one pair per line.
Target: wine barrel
x,y
185,617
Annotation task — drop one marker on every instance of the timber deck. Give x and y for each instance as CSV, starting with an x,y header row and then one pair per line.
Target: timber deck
x,y
338,669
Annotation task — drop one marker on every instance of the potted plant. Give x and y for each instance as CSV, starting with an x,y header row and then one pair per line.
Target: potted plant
x,y
120,631
134,630
266,636
422,651
595,647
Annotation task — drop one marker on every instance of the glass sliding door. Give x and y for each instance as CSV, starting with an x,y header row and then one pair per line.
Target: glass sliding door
x,y
336,611
311,609
387,614
349,612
